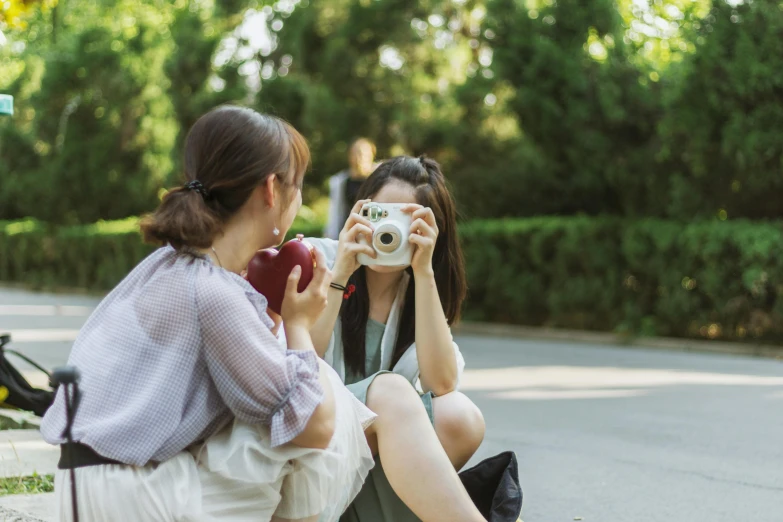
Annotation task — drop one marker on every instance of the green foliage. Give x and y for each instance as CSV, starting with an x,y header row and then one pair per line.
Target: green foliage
x,y
29,485
331,82
720,134
709,279
585,110
664,109
105,93
565,272
92,113
93,257
197,29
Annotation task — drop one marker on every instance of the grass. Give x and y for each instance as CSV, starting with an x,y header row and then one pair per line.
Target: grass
x,y
30,485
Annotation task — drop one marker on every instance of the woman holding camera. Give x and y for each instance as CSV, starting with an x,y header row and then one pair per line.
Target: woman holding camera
x,y
397,318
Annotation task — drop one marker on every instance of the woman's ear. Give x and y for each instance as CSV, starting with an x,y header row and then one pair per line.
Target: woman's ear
x,y
269,191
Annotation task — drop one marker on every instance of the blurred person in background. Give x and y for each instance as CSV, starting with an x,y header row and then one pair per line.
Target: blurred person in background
x,y
344,186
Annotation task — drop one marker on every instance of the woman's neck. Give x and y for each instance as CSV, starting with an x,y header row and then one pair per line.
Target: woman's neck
x,y
382,285
382,289
236,246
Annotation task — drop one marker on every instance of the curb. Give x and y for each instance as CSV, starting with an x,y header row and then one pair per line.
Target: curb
x,y
620,341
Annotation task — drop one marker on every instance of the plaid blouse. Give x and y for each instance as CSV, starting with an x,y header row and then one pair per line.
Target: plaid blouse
x,y
172,354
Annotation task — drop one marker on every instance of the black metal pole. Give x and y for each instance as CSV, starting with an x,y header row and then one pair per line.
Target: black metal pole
x,y
69,414
68,378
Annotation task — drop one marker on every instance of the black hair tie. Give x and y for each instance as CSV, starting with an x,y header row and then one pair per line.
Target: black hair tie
x,y
198,187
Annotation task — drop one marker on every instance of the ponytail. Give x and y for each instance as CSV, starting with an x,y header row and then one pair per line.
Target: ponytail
x,y
229,152
182,219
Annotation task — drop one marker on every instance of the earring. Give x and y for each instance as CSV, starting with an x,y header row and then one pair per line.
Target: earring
x,y
276,231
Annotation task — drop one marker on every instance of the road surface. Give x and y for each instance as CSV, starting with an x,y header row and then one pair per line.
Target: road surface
x,y
602,434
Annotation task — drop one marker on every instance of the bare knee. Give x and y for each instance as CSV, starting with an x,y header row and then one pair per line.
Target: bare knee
x,y
392,395
459,424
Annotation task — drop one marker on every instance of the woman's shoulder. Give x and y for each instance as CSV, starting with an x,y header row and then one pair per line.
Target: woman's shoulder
x,y
221,292
214,285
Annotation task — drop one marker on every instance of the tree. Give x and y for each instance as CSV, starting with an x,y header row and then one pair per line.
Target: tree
x,y
344,69
94,131
721,131
14,12
195,84
587,110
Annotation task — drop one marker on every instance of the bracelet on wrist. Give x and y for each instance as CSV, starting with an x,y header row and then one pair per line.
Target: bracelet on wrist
x,y
347,291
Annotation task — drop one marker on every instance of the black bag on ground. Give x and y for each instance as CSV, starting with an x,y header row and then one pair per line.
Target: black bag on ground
x,y
20,393
493,485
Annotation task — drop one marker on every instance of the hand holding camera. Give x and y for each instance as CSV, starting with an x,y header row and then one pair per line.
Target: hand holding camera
x,y
423,235
349,247
386,234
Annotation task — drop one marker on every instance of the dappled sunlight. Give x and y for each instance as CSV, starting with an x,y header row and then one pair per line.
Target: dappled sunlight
x,y
575,382
536,394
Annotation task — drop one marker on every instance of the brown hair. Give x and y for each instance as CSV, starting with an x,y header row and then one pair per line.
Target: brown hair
x,y
229,152
432,191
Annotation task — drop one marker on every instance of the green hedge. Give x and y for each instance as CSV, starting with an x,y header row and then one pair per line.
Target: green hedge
x,y
712,279
93,257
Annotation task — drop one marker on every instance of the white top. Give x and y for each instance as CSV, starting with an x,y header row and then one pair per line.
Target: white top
x,y
172,353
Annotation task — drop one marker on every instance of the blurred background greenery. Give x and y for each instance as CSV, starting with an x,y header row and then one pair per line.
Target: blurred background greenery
x,y
617,162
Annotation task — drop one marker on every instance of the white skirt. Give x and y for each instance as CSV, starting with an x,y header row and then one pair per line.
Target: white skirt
x,y
235,476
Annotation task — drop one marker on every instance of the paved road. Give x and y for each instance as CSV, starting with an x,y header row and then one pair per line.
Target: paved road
x,y
605,434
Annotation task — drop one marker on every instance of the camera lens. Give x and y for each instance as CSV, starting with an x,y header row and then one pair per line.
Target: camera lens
x,y
387,238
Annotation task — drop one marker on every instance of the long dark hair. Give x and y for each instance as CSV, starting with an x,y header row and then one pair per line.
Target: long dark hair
x,y
230,151
425,176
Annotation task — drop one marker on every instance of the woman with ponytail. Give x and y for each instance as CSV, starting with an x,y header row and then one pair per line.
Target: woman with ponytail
x,y
181,362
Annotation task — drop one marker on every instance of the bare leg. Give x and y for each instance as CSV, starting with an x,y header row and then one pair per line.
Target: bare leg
x,y
413,458
459,426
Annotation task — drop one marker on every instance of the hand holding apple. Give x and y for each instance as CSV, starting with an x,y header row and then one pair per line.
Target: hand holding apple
x,y
269,269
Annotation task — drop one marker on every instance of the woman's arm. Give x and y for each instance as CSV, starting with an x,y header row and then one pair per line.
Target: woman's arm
x,y
321,333
345,264
260,382
437,362
434,349
320,428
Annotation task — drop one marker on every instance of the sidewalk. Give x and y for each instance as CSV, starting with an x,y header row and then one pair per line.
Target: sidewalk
x,y
677,344
22,453
27,508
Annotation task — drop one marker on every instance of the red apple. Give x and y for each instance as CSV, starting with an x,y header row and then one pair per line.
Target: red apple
x,y
269,269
